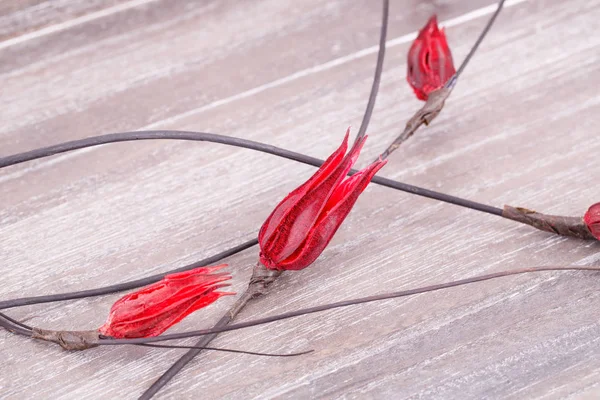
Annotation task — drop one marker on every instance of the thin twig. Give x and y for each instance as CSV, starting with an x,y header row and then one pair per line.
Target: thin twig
x,y
9,325
209,137
236,142
346,303
435,102
378,70
452,81
14,321
21,329
252,353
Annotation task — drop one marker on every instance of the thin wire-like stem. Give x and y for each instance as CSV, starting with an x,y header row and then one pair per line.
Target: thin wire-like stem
x,y
209,137
378,70
346,303
236,142
14,321
452,81
252,353
149,135
14,327
125,285
20,328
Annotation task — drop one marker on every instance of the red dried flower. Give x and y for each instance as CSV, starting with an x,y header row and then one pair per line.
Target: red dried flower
x,y
592,220
153,309
429,60
302,225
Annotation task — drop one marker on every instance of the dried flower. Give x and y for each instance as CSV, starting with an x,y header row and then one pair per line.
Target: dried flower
x,y
153,309
302,225
592,220
429,60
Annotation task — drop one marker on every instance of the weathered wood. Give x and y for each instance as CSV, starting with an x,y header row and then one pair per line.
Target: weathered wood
x,y
268,70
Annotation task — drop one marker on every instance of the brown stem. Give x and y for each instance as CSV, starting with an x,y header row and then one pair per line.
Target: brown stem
x,y
427,113
83,340
259,283
68,340
565,226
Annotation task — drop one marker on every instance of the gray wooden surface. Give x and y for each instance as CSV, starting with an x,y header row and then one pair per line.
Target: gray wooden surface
x,y
520,129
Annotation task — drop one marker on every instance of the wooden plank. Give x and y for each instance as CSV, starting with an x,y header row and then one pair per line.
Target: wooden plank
x,y
22,17
510,134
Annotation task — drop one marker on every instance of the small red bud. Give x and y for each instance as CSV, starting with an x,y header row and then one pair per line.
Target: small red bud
x,y
429,60
592,220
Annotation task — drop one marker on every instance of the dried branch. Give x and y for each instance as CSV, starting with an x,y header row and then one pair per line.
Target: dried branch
x,y
436,100
565,226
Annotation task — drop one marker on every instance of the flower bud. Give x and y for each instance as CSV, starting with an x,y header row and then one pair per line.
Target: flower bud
x,y
304,222
155,308
429,60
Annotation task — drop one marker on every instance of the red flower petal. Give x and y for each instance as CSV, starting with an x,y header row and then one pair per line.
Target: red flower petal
x,y
337,209
285,206
150,325
155,308
298,212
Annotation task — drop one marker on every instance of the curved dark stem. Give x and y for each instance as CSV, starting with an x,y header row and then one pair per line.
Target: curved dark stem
x,y
446,198
452,81
237,142
125,285
12,326
345,303
199,136
378,69
150,135
252,353
14,321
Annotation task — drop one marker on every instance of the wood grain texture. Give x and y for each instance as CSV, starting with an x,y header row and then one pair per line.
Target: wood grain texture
x,y
19,17
519,129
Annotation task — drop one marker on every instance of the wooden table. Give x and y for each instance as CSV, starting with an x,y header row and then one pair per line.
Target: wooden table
x,y
520,128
